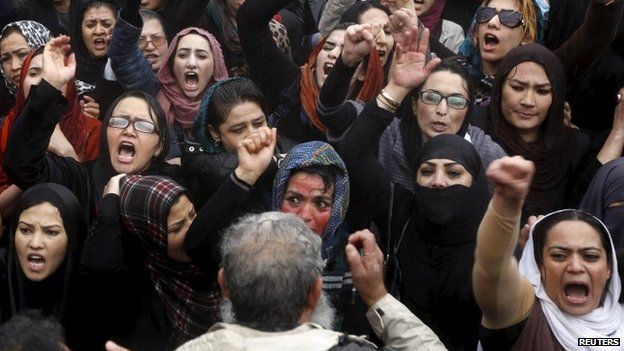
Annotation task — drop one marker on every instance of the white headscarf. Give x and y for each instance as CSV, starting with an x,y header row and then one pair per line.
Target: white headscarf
x,y
606,321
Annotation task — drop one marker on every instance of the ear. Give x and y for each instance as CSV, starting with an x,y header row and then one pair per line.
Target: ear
x,y
223,284
214,134
315,293
161,146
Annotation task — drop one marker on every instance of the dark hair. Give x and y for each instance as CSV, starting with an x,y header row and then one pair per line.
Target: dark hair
x,y
328,174
156,113
99,3
10,30
148,15
354,12
30,331
228,95
410,130
543,227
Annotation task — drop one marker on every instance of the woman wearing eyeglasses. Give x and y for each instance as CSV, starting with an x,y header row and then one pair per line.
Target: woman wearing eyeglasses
x,y
133,140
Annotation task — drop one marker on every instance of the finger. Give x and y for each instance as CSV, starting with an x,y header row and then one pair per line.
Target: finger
x,y
71,60
273,137
355,261
423,44
432,64
87,98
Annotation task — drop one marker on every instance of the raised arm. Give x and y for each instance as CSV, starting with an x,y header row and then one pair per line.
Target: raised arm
x,y
132,69
202,239
270,67
504,296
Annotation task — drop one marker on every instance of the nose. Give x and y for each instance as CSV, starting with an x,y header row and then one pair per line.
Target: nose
x,y
442,107
528,98
37,241
494,22
575,264
16,63
305,212
129,130
99,29
438,181
191,61
335,52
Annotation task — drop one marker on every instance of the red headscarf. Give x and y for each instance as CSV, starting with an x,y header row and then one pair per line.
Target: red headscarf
x,y
310,90
432,19
81,131
172,99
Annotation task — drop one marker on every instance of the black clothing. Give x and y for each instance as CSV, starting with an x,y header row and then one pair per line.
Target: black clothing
x,y
277,76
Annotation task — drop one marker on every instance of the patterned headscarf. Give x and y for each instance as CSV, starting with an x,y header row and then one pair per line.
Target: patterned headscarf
x,y
145,203
36,35
172,99
316,153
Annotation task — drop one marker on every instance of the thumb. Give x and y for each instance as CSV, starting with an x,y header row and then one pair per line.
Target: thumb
x,y
355,262
111,346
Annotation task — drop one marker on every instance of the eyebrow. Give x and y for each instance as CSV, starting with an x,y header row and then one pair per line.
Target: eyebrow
x,y
565,248
193,49
234,126
447,164
51,226
542,85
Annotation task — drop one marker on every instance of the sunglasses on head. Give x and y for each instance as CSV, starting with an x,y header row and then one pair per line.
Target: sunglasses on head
x,y
510,18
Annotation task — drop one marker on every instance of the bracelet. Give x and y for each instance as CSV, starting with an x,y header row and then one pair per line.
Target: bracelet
x,y
392,101
381,102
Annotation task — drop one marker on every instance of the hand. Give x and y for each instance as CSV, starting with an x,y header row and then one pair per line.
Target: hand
x,y
90,107
112,187
511,177
409,67
401,20
359,40
60,146
394,5
618,115
111,346
366,269
526,230
56,71
255,154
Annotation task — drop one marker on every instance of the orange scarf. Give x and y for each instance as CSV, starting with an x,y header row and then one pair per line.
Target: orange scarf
x,y
309,92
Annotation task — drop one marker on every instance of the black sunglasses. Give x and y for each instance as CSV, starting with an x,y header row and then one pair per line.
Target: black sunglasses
x,y
509,18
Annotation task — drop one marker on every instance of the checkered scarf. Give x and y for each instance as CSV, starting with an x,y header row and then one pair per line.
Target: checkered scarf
x,y
145,203
316,153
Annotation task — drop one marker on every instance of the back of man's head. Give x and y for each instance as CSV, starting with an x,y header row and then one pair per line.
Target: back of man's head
x,y
30,331
271,262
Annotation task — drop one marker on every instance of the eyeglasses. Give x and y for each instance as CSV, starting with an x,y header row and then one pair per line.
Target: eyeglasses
x,y
122,122
157,40
509,18
432,98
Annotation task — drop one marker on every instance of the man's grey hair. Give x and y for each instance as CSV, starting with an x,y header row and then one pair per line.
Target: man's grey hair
x,y
270,262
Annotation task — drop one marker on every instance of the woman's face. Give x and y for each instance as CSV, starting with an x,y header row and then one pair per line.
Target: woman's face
x,y
495,39
575,270
307,198
328,55
13,51
243,119
526,99
384,41
33,75
153,43
442,173
97,26
40,241
439,119
422,6
180,217
193,65
130,150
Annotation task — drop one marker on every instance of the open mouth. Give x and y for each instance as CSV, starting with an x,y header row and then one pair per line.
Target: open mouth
x,y
99,43
191,80
35,262
419,2
438,126
576,293
490,41
381,53
125,152
327,68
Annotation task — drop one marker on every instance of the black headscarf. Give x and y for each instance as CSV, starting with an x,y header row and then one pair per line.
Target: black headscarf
x,y
437,250
451,215
53,295
552,151
606,188
88,69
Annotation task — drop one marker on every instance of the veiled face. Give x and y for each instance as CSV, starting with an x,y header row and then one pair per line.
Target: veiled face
x,y
442,173
13,51
328,55
193,65
180,217
575,270
97,26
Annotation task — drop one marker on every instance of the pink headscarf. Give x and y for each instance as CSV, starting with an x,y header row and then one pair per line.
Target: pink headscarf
x,y
172,99
432,19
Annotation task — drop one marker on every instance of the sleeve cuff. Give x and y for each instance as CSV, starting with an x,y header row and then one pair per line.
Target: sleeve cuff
x,y
240,183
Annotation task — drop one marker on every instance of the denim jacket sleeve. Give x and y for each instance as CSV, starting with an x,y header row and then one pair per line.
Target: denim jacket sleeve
x,y
132,69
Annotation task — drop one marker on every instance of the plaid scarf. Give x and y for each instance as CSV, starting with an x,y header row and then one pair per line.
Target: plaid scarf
x,y
145,203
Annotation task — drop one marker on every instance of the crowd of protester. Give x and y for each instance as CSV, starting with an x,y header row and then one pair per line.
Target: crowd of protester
x,y
311,175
